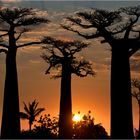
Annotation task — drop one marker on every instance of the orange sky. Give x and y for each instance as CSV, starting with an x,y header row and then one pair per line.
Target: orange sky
x,y
90,93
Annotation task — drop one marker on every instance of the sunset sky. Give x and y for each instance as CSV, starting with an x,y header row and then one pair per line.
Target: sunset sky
x,y
90,93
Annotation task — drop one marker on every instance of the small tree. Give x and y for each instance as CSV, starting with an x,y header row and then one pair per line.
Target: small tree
x,y
14,23
123,36
61,55
47,125
136,94
31,112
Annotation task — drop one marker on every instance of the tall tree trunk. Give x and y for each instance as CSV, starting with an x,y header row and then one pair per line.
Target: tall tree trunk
x,y
121,101
65,116
11,118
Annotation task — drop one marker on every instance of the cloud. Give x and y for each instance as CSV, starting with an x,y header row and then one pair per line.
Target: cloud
x,y
98,67
10,0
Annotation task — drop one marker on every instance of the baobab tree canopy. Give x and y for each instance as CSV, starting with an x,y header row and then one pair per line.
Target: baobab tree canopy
x,y
18,21
59,52
120,26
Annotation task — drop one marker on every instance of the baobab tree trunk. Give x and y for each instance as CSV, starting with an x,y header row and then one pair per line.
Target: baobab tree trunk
x,y
121,101
65,116
11,118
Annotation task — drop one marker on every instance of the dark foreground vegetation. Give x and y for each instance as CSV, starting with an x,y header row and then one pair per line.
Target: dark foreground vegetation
x,y
47,127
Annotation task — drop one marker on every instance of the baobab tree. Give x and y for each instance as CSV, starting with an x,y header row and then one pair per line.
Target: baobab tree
x,y
136,94
14,23
119,30
61,55
31,112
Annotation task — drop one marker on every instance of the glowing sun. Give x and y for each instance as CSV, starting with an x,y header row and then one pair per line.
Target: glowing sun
x,y
76,118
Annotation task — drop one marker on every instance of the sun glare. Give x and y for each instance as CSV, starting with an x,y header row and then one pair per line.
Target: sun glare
x,y
76,118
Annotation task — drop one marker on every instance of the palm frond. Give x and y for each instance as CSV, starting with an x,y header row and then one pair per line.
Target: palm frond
x,y
35,104
31,111
24,115
38,111
27,110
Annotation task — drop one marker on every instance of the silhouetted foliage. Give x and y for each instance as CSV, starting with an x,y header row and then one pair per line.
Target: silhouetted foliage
x,y
59,52
61,55
15,22
51,124
86,129
46,127
136,94
31,112
135,82
119,30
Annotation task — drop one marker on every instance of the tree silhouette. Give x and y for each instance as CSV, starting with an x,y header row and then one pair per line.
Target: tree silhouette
x,y
46,127
31,112
14,23
119,30
61,56
87,129
48,124
136,94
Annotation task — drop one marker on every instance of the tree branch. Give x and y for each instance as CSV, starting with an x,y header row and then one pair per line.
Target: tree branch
x,y
30,43
134,94
48,70
3,50
19,36
120,28
128,30
22,32
3,45
134,50
31,21
3,35
83,35
131,12
82,68
4,30
78,22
